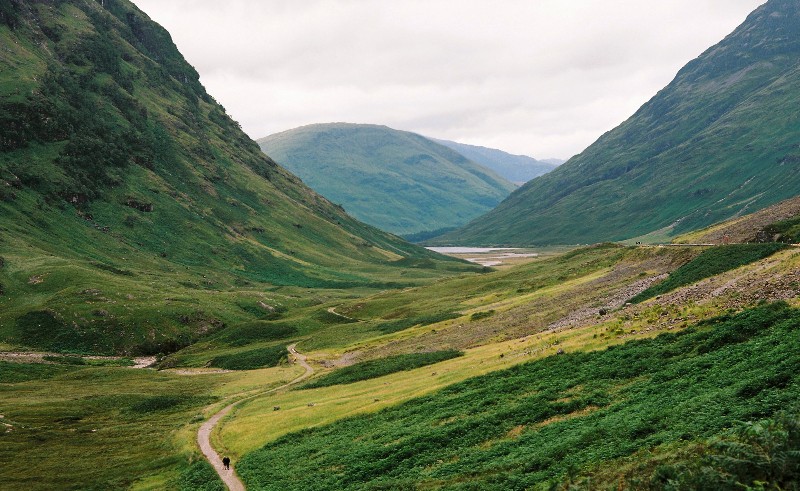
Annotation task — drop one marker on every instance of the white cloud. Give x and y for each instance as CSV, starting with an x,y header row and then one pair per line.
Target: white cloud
x,y
539,77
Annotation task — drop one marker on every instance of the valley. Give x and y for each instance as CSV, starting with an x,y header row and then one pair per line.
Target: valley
x,y
571,303
171,295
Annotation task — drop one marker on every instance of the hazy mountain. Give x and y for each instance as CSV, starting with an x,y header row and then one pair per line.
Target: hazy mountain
x,y
120,176
395,180
518,169
720,140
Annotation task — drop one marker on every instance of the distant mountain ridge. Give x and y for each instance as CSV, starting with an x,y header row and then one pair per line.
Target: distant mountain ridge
x,y
719,141
398,181
518,169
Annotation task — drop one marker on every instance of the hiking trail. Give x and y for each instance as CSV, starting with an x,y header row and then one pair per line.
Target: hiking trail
x,y
229,476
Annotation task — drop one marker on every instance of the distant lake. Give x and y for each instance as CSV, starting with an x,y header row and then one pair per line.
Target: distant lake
x,y
467,250
487,256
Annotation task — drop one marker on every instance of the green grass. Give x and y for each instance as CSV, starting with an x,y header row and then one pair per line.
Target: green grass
x,y
530,425
378,368
709,263
97,428
13,373
251,359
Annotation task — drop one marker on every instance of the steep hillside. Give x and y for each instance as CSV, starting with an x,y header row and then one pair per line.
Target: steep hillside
x,y
397,181
123,184
720,140
518,169
780,222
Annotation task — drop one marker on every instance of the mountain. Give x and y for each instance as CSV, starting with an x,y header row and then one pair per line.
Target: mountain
x,y
136,215
719,141
518,169
395,180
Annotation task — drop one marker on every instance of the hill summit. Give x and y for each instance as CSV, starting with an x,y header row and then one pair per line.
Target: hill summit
x,y
395,180
719,141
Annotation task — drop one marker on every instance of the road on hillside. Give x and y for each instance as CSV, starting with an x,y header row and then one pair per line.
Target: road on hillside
x,y
229,476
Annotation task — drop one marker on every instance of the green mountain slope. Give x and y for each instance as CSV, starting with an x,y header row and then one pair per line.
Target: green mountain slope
x,y
720,140
121,179
516,168
398,181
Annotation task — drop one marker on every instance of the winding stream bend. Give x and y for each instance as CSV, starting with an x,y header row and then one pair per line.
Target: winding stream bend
x,y
229,476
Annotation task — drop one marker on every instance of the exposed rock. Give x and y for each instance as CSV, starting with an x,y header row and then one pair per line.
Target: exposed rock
x,y
139,205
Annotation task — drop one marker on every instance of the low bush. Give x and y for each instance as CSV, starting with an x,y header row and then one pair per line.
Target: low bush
x,y
251,332
250,360
12,373
422,320
200,476
481,315
384,366
156,403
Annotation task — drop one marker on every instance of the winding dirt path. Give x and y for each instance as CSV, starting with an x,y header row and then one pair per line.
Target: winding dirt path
x,y
229,476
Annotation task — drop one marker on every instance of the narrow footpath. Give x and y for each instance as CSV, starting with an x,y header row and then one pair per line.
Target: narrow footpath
x,y
229,476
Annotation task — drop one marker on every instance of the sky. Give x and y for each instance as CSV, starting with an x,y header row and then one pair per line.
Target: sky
x,y
543,78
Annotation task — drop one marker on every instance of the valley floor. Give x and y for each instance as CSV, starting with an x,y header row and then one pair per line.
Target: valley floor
x,y
563,314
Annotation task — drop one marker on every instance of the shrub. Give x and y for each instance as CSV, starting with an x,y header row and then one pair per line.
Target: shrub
x,y
423,320
200,476
481,315
384,366
251,332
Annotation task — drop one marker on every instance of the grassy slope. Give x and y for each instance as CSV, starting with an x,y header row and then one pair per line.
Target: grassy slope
x,y
523,427
123,183
394,180
717,141
525,300
111,428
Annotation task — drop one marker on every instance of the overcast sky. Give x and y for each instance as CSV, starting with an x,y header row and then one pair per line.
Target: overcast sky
x,y
543,78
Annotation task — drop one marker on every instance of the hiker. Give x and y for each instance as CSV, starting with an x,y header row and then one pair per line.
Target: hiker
x,y
226,463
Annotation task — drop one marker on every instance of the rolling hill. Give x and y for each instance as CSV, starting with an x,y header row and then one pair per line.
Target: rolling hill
x,y
518,169
127,194
719,141
395,180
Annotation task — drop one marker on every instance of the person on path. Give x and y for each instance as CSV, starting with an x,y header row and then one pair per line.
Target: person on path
x,y
226,463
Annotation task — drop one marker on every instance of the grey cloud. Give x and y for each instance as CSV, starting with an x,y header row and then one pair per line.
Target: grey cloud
x,y
543,77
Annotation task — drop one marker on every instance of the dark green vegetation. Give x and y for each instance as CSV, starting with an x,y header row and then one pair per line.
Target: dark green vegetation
x,y
384,366
251,359
709,263
200,476
88,428
785,230
135,216
518,169
12,373
720,139
397,181
763,454
532,424
411,321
